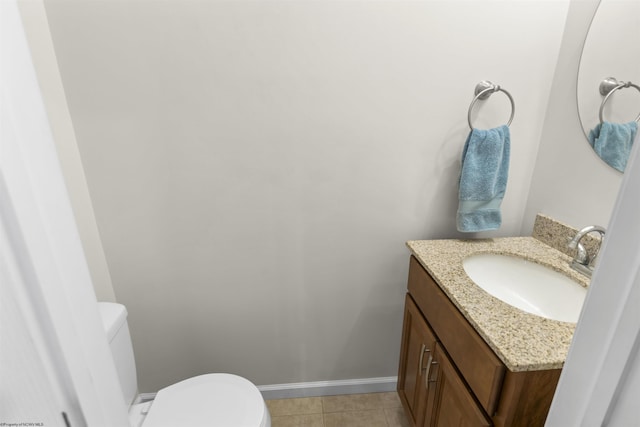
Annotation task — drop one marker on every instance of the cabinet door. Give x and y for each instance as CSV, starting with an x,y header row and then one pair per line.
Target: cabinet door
x,y
451,404
418,344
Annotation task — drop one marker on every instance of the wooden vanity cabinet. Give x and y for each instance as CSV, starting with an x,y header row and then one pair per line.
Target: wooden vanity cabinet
x,y
418,343
448,375
430,388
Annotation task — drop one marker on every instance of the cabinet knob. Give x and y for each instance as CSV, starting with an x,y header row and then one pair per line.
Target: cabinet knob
x,y
426,375
423,350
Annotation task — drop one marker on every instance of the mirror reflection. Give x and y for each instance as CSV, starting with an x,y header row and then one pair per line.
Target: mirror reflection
x,y
608,89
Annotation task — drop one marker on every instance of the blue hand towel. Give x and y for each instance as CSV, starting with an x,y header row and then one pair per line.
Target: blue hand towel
x,y
483,179
613,141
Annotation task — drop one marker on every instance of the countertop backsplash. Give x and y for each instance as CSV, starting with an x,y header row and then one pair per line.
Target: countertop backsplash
x,y
557,235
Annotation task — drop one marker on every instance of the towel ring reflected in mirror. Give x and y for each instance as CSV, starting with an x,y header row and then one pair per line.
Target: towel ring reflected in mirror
x,y
607,87
483,90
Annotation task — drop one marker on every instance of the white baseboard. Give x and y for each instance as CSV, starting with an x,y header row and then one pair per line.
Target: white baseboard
x,y
328,388
315,389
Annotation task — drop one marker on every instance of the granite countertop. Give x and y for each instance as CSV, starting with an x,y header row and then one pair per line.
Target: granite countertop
x,y
523,341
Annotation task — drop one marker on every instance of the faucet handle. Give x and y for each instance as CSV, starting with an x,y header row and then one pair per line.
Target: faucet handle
x,y
583,261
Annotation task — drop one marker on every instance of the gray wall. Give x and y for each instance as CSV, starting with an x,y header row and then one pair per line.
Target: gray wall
x,y
255,167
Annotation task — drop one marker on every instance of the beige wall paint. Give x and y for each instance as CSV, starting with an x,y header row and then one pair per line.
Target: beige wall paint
x,y
570,182
255,167
39,38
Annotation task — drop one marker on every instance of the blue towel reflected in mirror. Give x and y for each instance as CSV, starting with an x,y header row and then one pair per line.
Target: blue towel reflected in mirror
x,y
613,142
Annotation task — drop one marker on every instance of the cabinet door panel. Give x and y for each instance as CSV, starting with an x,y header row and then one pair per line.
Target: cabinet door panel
x,y
418,342
454,405
482,369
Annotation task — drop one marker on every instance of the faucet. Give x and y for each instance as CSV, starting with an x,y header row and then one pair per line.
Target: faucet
x,y
583,261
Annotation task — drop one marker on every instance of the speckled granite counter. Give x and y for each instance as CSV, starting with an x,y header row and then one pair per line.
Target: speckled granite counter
x,y
523,341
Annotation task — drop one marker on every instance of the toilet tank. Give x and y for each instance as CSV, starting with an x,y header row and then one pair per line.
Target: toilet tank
x,y
114,320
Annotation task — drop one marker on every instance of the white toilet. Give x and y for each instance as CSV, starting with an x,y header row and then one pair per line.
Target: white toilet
x,y
216,400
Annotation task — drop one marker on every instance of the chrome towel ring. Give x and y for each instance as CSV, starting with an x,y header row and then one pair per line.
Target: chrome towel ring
x,y
483,90
607,87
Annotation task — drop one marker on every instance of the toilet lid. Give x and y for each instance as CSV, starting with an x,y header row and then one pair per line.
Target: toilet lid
x,y
219,400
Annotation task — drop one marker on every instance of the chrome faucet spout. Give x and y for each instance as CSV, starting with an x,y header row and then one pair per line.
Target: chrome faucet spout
x,y
583,260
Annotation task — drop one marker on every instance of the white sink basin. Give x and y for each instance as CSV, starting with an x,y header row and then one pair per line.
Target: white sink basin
x,y
526,285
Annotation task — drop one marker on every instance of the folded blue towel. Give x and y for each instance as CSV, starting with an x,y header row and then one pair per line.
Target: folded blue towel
x,y
613,141
483,179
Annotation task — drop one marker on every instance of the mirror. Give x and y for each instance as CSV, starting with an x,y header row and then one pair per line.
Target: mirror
x,y
610,72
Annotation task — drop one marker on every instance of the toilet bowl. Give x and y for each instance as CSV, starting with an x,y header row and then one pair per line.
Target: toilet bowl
x,y
216,400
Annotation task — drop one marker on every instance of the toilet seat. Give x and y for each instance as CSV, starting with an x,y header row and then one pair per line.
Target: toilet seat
x,y
215,400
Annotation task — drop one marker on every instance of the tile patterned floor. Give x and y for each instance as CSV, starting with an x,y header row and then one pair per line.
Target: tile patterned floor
x,y
351,410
